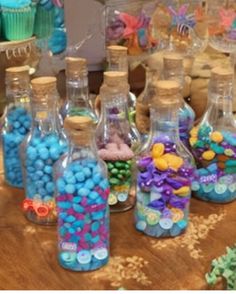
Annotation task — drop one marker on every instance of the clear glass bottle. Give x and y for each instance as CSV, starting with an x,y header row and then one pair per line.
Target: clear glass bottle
x,y
40,150
82,200
174,70
142,117
115,141
78,100
164,169
213,142
16,122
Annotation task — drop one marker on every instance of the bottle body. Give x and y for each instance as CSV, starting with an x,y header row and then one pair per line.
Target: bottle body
x,y
165,170
16,126
213,144
116,145
40,151
83,210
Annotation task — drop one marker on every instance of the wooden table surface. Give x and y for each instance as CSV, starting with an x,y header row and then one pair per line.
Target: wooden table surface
x,y
29,252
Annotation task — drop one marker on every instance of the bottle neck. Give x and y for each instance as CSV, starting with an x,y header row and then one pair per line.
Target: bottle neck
x,y
18,93
77,91
220,104
82,145
120,64
164,123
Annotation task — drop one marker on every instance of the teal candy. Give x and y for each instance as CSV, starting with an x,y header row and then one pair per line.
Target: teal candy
x,y
93,195
212,168
80,177
97,178
89,184
95,240
95,226
231,163
70,219
78,208
77,199
84,192
217,149
14,4
70,189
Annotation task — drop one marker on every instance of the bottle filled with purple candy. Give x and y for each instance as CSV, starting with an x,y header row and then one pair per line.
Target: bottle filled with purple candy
x,y
42,147
17,122
82,191
165,169
213,142
115,140
174,70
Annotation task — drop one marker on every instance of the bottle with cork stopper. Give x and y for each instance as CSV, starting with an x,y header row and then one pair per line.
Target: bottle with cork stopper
x,y
82,191
213,142
173,70
116,144
165,169
42,147
16,122
78,100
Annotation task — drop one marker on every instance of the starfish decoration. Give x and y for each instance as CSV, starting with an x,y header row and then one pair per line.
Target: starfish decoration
x,y
227,17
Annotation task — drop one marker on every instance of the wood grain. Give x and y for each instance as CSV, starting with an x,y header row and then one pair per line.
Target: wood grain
x,y
29,252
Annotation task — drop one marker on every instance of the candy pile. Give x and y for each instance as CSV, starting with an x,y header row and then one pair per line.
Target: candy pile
x,y
215,153
118,158
163,191
41,154
18,126
83,216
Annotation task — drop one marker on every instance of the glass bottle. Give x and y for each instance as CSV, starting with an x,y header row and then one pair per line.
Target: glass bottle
x,y
142,117
16,122
82,200
164,169
114,139
174,70
40,150
213,142
78,101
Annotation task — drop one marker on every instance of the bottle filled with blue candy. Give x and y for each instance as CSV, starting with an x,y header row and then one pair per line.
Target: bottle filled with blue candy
x,y
40,150
82,191
174,70
78,102
17,122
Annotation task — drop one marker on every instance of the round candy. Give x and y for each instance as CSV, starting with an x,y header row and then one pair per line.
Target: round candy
x,y
84,257
207,187
68,257
112,199
220,188
177,214
182,224
195,186
122,197
152,218
100,253
141,225
166,223
232,187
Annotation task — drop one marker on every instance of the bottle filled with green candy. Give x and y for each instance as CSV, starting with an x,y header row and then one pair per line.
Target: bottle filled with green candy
x,y
115,142
78,102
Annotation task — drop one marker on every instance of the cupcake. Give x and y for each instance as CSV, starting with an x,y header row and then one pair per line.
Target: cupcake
x,y
17,19
44,19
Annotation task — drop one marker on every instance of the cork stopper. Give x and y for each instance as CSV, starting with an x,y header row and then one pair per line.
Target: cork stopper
x,y
17,73
173,61
80,129
76,67
222,74
167,92
115,78
115,51
43,88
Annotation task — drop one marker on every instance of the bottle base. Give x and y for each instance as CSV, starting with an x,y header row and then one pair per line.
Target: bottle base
x,y
71,264
45,221
20,186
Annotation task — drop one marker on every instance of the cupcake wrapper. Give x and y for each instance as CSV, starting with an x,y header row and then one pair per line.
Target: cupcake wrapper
x,y
44,22
18,24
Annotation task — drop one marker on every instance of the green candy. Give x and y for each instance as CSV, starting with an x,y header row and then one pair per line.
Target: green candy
x,y
199,144
121,177
217,149
123,172
114,171
231,163
230,170
114,181
110,166
119,164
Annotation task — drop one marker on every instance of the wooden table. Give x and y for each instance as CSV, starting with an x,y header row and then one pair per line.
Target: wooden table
x,y
29,252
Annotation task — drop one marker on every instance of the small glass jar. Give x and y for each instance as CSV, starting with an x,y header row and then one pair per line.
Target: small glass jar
x,y
213,142
82,200
40,150
78,100
114,139
174,70
16,122
165,169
